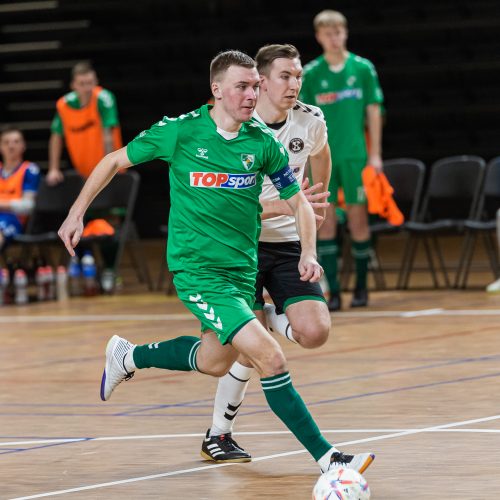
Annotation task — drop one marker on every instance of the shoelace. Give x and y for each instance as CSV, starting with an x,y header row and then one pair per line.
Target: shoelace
x,y
340,458
227,443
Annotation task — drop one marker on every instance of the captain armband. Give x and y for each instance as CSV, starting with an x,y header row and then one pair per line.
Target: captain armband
x,y
283,178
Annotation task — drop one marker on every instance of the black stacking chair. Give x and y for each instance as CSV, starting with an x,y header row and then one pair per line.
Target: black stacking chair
x,y
118,198
51,208
484,223
450,198
406,176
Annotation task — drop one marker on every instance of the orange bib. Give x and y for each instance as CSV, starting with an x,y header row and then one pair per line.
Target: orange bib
x,y
83,133
12,187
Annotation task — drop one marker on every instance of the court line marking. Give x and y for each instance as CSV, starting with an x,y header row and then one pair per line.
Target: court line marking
x,y
189,317
264,408
247,433
258,459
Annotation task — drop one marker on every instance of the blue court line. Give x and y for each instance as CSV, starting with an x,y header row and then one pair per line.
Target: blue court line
x,y
268,410
144,408
76,405
52,362
347,379
31,448
390,391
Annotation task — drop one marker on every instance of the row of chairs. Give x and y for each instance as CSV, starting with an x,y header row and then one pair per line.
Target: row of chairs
x,y
461,196
52,206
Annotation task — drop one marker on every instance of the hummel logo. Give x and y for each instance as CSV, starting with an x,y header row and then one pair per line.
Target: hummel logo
x,y
210,314
202,153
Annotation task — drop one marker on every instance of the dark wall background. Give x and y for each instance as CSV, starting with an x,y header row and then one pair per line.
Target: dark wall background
x,y
438,62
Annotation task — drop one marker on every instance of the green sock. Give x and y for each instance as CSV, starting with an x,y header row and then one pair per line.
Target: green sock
x,y
328,253
287,404
361,252
176,354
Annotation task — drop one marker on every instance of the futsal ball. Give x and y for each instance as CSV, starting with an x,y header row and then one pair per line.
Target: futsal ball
x,y
341,484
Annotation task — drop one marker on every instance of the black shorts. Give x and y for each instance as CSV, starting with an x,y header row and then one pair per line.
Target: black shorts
x,y
279,275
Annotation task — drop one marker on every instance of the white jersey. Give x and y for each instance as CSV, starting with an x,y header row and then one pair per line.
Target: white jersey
x,y
303,134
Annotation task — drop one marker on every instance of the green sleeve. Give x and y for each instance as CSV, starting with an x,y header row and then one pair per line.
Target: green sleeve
x,y
372,90
56,126
159,142
106,104
305,93
276,166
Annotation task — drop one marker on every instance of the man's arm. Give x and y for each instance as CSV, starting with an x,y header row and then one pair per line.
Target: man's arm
x,y
374,124
309,268
72,228
54,175
321,170
22,206
318,200
108,140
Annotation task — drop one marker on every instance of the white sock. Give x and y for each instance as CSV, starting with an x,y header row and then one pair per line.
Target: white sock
x,y
128,361
278,323
324,461
230,393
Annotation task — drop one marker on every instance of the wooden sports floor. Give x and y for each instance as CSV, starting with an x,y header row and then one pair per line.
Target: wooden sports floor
x,y
415,378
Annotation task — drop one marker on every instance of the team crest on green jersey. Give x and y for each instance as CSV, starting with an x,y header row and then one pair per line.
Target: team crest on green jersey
x,y
248,161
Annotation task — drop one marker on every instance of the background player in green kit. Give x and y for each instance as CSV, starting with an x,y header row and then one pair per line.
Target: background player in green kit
x,y
218,156
346,88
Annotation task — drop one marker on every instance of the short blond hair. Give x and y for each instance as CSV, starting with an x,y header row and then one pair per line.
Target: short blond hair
x,y
81,68
329,18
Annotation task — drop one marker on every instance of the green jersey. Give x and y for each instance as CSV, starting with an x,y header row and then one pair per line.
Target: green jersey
x,y
215,185
106,104
343,97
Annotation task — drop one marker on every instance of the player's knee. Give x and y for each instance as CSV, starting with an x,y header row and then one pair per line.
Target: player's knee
x,y
217,369
274,363
312,334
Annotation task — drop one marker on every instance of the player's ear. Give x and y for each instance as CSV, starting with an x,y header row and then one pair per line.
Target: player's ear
x,y
216,91
263,82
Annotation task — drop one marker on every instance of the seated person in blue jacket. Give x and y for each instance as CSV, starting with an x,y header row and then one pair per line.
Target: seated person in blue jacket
x,y
19,181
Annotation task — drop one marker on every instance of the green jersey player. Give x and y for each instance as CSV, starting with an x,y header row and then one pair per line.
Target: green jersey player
x,y
218,156
346,88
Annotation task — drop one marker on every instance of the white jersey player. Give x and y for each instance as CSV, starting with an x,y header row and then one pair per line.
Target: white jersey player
x,y
300,312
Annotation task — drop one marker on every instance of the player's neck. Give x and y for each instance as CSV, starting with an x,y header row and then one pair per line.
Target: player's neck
x,y
337,57
84,99
11,164
223,120
268,112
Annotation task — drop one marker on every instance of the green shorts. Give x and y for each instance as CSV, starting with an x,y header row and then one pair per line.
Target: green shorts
x,y
346,174
221,299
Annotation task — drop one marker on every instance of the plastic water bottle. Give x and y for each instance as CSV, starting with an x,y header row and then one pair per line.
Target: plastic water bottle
x,y
62,283
40,283
4,284
20,287
50,283
75,277
89,271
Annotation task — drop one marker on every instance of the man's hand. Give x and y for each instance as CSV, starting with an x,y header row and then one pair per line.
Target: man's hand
x,y
70,232
376,162
318,201
54,177
309,269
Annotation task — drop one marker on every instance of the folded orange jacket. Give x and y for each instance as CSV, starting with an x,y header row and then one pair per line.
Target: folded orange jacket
x,y
98,227
379,196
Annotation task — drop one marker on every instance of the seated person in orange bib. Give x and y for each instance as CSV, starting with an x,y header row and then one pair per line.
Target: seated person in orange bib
x,y
218,156
19,181
87,118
